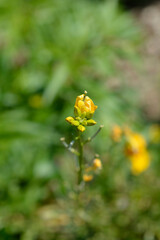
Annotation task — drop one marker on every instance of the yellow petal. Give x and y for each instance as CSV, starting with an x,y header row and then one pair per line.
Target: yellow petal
x,y
85,104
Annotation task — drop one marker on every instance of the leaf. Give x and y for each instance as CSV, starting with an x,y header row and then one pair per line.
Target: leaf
x,y
59,77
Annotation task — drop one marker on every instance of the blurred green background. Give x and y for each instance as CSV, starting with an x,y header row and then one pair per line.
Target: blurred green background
x,y
50,52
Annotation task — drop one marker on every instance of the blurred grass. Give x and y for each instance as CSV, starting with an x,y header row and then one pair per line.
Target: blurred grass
x,y
51,51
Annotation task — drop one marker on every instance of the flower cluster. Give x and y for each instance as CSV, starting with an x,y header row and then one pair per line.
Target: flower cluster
x,y
135,148
83,110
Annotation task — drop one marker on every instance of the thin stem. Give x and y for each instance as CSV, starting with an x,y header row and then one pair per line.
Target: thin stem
x,y
80,159
69,146
94,135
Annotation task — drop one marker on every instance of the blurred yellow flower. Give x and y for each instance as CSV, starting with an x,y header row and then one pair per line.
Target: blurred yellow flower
x,y
97,164
136,151
140,162
87,177
116,133
135,143
84,106
155,133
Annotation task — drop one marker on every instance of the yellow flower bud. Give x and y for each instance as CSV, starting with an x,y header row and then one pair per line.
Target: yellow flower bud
x,y
87,177
70,119
97,163
81,128
91,122
75,123
84,106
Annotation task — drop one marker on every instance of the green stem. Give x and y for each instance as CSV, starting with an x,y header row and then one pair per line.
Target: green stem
x,y
94,135
80,159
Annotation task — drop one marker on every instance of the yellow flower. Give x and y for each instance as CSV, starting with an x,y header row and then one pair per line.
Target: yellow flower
x,y
140,162
116,133
155,133
87,177
97,163
135,143
84,106
137,153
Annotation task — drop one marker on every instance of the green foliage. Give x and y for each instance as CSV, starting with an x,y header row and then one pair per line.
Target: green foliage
x,y
51,51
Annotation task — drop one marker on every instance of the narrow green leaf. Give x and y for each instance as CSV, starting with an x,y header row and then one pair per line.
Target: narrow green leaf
x,y
60,75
